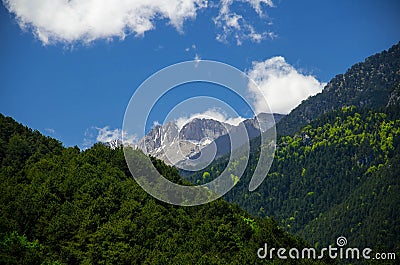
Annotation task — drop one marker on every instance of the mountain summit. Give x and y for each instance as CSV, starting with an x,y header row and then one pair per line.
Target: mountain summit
x,y
174,145
171,144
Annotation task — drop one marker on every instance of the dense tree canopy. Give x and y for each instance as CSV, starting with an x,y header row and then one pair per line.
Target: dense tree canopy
x,y
372,84
335,170
335,173
336,176
64,206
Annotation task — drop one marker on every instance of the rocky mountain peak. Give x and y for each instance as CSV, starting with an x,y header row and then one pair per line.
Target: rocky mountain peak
x,y
198,129
172,145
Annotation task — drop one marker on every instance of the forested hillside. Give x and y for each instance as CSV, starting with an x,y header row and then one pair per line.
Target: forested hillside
x,y
345,160
64,206
336,172
372,84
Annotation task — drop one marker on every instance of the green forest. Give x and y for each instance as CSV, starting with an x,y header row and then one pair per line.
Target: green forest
x,y
338,175
335,173
336,165
66,206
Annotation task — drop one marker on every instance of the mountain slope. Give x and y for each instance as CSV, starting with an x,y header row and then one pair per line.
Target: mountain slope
x,y
373,84
332,159
63,206
328,163
370,211
254,127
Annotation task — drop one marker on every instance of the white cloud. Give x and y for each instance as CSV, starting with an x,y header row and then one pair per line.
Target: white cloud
x,y
50,130
87,20
214,113
89,137
193,47
235,25
257,5
105,135
70,21
281,84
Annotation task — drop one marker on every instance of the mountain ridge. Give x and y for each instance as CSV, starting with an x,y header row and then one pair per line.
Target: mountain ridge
x,y
66,206
167,141
374,83
328,154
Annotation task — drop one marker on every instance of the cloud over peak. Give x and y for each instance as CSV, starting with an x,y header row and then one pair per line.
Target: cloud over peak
x,y
105,134
213,113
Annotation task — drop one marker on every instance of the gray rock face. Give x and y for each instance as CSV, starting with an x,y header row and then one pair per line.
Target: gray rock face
x,y
172,145
158,137
254,127
199,129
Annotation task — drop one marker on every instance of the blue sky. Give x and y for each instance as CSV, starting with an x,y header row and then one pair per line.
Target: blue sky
x,y
69,78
